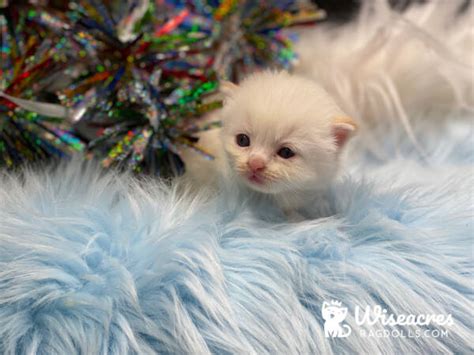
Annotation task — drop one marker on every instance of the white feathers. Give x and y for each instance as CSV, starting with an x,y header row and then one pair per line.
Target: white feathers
x,y
390,66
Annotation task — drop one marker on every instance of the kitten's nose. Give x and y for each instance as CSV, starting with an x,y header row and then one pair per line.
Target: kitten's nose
x,y
256,164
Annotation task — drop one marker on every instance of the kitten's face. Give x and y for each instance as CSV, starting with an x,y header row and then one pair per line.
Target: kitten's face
x,y
275,137
275,154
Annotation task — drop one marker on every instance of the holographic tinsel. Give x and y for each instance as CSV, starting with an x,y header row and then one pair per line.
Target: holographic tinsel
x,y
140,79
27,64
136,74
257,40
247,33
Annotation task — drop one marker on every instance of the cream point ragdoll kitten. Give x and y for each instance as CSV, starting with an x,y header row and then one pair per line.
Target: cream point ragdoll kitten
x,y
282,136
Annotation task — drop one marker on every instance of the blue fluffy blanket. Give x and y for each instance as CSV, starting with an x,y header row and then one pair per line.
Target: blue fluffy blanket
x,y
94,263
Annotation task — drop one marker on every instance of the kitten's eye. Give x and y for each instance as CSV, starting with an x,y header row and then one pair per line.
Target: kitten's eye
x,y
286,153
242,140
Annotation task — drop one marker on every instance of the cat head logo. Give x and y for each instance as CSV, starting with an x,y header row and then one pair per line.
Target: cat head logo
x,y
334,314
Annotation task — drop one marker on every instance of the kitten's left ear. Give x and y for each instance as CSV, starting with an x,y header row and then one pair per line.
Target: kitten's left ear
x,y
227,88
343,128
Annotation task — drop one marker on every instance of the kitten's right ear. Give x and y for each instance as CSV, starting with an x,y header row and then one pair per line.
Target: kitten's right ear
x,y
227,88
343,128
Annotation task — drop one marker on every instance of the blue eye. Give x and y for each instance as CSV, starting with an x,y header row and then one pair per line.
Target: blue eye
x,y
286,153
242,140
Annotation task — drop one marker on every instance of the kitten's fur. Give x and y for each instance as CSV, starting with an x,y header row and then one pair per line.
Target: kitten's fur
x,y
275,110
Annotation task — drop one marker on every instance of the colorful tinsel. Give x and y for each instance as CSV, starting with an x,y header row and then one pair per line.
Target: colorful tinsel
x,y
132,76
28,63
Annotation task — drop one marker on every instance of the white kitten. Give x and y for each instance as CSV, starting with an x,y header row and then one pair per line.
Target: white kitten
x,y
282,136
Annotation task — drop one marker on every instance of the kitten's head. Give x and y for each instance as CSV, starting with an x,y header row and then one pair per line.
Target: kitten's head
x,y
282,132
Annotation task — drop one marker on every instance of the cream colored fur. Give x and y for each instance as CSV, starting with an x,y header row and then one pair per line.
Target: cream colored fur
x,y
275,109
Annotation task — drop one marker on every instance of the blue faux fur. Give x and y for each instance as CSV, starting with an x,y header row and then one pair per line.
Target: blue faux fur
x,y
94,263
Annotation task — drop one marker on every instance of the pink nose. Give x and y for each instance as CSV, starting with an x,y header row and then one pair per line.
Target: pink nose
x,y
256,164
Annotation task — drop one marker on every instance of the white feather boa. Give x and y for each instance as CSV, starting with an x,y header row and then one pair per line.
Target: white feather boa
x,y
402,67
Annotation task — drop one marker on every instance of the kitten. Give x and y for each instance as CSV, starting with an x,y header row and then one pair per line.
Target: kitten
x,y
282,136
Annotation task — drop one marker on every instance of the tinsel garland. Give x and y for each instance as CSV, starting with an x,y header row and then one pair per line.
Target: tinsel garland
x,y
127,80
29,60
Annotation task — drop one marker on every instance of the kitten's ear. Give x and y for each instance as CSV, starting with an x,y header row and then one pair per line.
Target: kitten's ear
x,y
343,128
227,88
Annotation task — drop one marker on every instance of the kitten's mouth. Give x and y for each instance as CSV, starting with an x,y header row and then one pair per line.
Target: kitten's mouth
x,y
256,179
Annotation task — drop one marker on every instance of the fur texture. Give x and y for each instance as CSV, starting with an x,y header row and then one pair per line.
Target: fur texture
x,y
97,263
